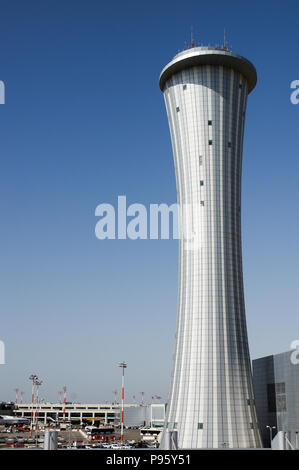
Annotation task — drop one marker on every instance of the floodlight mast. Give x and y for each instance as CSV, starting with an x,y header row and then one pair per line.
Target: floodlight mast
x,y
123,365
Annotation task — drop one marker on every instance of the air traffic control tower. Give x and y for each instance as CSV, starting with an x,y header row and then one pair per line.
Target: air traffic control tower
x,y
211,402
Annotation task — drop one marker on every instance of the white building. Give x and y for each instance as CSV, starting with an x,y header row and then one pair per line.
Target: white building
x,y
134,415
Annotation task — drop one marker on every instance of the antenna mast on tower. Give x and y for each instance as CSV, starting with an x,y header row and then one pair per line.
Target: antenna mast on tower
x,y
224,40
191,37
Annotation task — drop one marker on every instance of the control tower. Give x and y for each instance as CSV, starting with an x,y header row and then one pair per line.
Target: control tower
x,y
211,402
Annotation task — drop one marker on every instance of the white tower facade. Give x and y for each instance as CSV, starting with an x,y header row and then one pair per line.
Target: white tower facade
x,y
211,402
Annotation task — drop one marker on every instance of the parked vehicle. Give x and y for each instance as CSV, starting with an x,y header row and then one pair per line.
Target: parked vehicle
x,y
23,429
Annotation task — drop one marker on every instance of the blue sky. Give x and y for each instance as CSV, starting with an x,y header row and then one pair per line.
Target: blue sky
x,y
84,122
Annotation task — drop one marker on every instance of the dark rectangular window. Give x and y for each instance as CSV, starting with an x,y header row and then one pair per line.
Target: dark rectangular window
x,y
280,388
281,401
175,425
202,203
209,123
271,398
276,397
177,109
184,87
229,144
200,426
201,182
200,159
210,142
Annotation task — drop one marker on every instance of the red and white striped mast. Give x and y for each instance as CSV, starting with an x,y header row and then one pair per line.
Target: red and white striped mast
x,y
21,393
123,365
64,402
33,378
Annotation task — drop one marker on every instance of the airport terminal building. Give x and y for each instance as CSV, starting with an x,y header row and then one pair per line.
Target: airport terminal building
x,y
276,389
134,414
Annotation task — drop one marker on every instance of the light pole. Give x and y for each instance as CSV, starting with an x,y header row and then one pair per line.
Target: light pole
x,y
33,378
270,429
123,365
16,402
64,402
38,383
115,400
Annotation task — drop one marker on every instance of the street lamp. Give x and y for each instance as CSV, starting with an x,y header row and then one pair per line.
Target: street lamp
x,y
123,365
33,378
38,383
270,429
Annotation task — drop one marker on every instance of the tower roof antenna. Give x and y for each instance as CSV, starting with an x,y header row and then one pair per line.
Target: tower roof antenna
x,y
191,37
224,40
